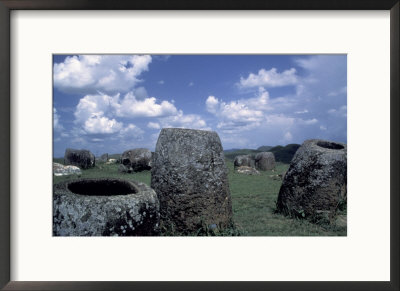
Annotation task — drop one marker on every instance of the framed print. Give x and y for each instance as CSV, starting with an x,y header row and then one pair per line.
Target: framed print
x,y
249,146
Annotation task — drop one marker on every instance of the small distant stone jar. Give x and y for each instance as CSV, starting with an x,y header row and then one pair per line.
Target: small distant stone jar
x,y
104,207
265,161
316,181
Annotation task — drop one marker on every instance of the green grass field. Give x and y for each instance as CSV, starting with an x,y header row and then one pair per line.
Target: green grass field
x,y
253,201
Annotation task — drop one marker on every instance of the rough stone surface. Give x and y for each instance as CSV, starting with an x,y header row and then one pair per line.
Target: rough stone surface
x,y
83,159
316,181
106,207
137,159
189,176
244,160
124,169
265,161
247,170
61,170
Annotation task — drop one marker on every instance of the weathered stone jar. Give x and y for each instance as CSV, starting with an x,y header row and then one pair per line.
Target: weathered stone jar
x,y
265,161
316,181
83,159
104,207
244,161
190,178
136,160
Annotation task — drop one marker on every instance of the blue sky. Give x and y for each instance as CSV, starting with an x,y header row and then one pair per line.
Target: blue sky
x,y
111,103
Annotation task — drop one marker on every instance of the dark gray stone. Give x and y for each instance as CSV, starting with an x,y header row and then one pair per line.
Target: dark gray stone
x,y
190,178
124,169
83,159
244,160
264,161
137,159
316,182
104,207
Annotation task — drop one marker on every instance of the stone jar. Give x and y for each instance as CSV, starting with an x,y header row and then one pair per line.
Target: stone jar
x,y
316,181
190,178
104,207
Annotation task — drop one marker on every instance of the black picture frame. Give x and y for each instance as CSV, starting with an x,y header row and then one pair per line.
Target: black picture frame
x,y
5,126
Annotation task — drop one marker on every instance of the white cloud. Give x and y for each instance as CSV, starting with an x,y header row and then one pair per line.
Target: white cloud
x,y
191,84
212,104
321,127
108,73
248,114
310,121
153,125
56,121
181,120
101,125
130,106
242,111
131,131
93,105
161,82
271,78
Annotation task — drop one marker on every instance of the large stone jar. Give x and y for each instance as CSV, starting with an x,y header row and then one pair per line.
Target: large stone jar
x,y
190,178
244,161
136,160
316,182
104,207
265,161
83,159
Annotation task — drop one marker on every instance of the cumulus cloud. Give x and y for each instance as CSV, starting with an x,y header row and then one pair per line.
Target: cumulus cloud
x,y
102,105
97,115
107,73
153,125
101,125
212,104
270,78
56,121
242,110
93,105
181,120
241,114
131,131
310,121
130,106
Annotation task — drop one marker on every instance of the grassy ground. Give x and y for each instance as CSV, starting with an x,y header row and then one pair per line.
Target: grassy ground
x,y
253,201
